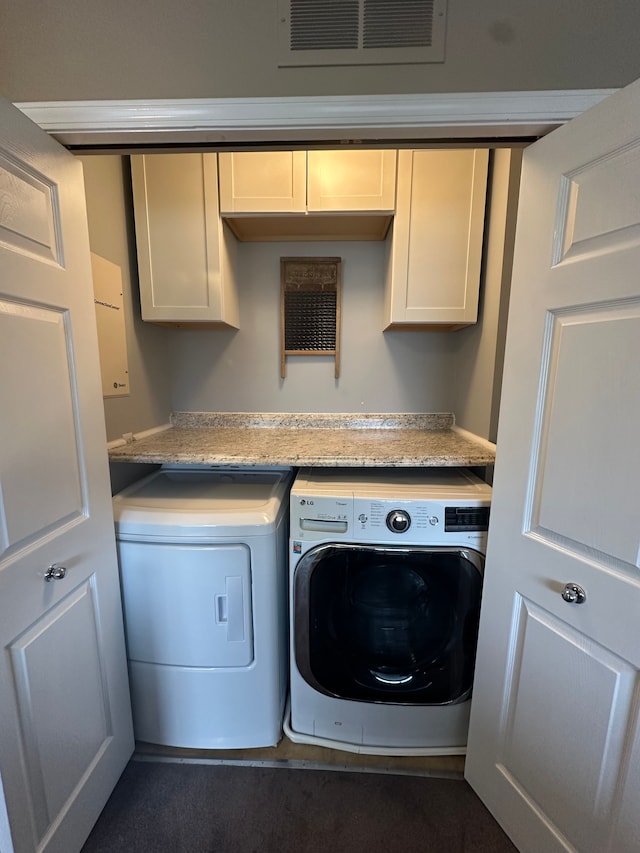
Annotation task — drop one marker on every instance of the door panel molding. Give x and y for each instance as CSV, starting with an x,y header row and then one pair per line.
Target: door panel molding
x,y
39,407
44,665
590,218
541,639
30,213
581,345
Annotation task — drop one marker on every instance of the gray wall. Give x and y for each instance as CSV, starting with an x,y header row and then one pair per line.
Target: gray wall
x,y
479,349
240,371
109,211
89,49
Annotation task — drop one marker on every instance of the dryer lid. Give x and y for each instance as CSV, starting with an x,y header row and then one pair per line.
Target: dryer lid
x,y
184,498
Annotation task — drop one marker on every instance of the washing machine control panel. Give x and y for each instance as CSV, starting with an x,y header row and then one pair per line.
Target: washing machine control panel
x,y
393,521
411,522
416,522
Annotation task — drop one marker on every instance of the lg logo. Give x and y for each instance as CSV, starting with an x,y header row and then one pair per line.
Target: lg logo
x,y
304,502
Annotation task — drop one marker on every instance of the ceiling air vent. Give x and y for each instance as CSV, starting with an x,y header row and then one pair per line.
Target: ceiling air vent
x,y
361,32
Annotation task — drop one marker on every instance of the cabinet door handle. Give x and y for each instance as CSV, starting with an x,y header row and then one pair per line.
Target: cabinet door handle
x,y
55,572
573,594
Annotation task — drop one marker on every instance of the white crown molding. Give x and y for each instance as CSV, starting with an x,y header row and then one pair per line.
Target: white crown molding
x,y
222,121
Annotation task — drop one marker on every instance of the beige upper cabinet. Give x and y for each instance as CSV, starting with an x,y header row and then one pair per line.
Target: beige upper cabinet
x,y
351,180
263,182
185,253
435,250
308,195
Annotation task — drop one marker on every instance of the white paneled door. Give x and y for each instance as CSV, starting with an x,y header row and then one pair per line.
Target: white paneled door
x,y
65,718
554,747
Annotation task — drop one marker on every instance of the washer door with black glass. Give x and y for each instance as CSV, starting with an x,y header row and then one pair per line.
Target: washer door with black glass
x,y
388,624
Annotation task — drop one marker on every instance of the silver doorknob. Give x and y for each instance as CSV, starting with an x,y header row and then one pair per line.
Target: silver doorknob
x,y
574,594
55,573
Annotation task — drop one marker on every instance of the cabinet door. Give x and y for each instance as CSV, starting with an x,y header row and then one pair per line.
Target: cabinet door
x,y
263,182
184,252
351,181
436,247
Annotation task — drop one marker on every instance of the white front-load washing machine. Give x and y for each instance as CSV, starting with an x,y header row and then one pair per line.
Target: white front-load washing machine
x,y
386,571
203,565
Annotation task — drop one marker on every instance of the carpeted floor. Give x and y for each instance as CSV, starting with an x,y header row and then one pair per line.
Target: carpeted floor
x,y
204,808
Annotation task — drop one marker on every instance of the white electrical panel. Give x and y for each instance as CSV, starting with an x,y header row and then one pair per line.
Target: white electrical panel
x,y
112,341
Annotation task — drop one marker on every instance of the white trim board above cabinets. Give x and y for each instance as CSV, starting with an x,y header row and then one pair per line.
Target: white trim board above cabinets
x,y
428,204
206,121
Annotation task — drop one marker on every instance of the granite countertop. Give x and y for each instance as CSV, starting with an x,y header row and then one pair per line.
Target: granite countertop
x,y
350,440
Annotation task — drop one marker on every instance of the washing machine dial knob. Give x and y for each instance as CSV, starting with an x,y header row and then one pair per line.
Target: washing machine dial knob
x,y
398,521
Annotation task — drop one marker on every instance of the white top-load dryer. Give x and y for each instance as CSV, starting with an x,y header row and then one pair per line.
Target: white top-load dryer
x,y
202,555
